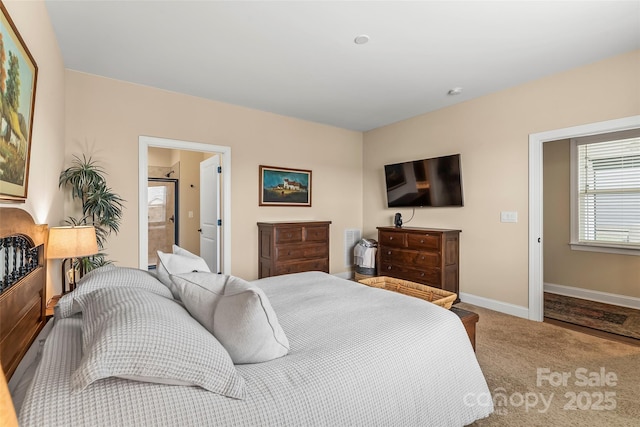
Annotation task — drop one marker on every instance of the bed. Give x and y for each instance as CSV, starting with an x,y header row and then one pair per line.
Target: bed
x,y
355,356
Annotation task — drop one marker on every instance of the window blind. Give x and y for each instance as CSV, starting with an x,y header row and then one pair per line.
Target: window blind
x,y
609,192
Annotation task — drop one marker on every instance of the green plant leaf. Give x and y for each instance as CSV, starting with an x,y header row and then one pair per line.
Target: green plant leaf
x,y
101,207
82,176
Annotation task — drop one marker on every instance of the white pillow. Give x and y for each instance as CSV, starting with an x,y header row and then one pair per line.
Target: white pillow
x,y
137,335
181,261
177,250
236,312
109,276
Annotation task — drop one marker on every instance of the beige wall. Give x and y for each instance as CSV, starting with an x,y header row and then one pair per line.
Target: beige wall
x,y
44,200
190,200
492,133
105,118
159,157
604,272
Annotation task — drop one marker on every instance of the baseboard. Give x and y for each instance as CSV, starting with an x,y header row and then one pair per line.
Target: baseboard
x,y
597,296
491,304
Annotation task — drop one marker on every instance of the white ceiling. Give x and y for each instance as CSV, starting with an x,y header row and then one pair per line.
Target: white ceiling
x,y
299,59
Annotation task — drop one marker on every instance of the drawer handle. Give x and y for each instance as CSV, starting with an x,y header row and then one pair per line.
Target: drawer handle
x,y
389,268
389,253
391,238
288,234
421,240
421,274
422,258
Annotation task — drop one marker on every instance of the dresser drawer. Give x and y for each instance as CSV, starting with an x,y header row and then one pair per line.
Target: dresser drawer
x,y
410,258
424,241
397,240
317,234
300,266
427,276
291,252
289,235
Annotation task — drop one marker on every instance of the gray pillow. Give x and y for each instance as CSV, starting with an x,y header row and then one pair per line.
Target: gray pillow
x,y
180,261
236,312
109,276
137,335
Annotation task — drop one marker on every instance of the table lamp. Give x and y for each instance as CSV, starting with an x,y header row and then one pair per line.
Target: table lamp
x,y
69,243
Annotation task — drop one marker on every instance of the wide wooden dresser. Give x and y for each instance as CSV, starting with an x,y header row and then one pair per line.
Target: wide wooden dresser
x,y
424,255
292,247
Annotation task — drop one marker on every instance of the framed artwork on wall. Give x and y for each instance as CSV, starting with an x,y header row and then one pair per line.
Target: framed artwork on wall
x,y
18,74
284,186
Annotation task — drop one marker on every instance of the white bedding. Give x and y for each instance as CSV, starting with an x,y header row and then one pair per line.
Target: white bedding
x,y
359,356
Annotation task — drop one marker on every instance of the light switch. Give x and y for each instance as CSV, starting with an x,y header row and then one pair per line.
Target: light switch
x,y
508,216
190,214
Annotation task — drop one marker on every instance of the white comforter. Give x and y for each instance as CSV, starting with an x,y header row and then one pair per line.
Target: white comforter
x,y
359,356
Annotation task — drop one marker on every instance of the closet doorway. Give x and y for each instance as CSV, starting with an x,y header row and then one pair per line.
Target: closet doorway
x,y
163,215
536,214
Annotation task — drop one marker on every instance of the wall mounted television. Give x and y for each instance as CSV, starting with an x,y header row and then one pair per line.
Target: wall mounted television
x,y
434,182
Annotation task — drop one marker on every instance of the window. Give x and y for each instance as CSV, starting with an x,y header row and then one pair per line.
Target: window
x,y
157,199
606,184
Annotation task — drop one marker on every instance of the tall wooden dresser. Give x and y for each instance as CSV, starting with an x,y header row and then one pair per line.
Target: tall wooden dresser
x,y
292,247
422,255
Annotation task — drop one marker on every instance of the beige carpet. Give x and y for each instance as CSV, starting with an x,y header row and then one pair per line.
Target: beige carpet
x,y
512,350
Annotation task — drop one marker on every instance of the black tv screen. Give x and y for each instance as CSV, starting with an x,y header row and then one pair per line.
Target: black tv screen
x,y
420,183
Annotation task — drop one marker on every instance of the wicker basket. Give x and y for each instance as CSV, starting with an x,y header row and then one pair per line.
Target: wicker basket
x,y
359,276
437,296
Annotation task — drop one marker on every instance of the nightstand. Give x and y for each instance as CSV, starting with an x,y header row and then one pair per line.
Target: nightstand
x,y
50,304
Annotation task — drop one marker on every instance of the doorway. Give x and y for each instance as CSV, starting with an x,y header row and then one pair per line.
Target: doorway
x,y
224,155
536,141
162,211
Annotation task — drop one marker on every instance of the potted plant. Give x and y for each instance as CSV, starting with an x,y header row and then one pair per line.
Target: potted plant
x,y
101,207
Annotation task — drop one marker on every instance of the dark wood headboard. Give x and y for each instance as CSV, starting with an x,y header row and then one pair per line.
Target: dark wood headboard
x,y
22,285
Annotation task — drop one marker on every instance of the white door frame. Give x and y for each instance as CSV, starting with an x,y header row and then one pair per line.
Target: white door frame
x,y
536,264
144,142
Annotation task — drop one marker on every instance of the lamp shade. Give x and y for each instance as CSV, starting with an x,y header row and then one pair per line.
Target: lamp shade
x,y
72,242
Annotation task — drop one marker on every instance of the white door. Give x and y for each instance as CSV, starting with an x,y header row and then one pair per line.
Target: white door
x,y
210,212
